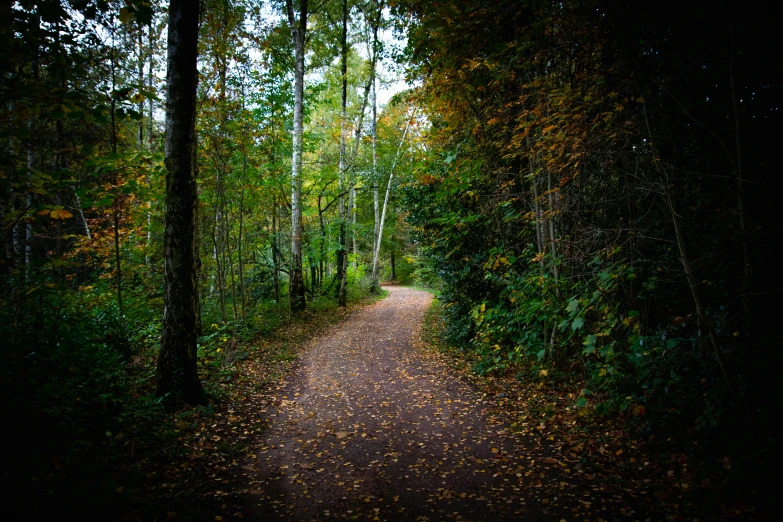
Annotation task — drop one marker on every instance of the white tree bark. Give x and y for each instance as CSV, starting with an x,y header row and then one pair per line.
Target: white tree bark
x,y
375,184
377,249
298,29
352,204
342,258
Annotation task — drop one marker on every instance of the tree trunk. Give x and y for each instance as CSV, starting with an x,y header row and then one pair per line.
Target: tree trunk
x,y
229,255
377,249
352,204
553,235
10,255
177,373
28,227
141,83
298,30
322,242
241,250
150,43
116,203
117,259
150,86
342,254
219,268
240,253
536,207
275,260
81,213
376,206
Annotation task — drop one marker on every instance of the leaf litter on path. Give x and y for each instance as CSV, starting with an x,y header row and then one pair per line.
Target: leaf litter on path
x,y
372,425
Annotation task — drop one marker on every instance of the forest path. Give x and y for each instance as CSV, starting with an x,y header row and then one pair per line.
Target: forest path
x,y
373,425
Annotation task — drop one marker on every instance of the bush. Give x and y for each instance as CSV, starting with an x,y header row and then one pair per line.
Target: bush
x,y
66,379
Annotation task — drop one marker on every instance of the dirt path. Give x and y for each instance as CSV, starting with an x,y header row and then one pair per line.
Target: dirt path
x,y
371,426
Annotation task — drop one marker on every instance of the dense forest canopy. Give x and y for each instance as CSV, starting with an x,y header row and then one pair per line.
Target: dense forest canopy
x,y
589,188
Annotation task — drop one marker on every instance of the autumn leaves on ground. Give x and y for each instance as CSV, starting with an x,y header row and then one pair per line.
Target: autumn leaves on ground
x,y
371,425
374,423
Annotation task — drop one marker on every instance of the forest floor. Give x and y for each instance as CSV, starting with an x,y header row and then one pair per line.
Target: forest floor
x,y
371,420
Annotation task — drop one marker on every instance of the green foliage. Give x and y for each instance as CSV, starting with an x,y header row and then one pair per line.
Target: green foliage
x,y
67,376
425,274
539,207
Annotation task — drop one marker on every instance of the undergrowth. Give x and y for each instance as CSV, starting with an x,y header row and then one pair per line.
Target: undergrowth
x,y
693,475
89,435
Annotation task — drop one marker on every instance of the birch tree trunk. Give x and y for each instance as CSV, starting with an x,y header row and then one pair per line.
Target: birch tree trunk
x,y
376,207
149,119
141,83
298,29
275,260
240,250
690,277
177,375
342,253
541,248
377,250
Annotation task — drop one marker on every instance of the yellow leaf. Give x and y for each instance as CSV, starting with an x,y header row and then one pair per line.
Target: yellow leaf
x,y
126,15
60,214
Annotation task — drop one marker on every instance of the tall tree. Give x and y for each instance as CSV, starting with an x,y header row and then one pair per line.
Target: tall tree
x,y
376,252
177,375
374,131
342,252
298,30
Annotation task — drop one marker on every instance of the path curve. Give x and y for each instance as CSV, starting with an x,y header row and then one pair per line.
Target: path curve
x,y
373,426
